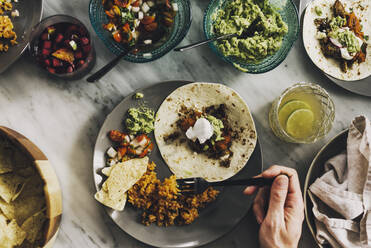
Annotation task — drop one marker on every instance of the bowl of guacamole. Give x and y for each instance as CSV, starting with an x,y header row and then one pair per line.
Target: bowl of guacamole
x,y
273,27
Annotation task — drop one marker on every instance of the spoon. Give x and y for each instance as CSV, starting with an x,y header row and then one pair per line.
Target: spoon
x,y
129,49
103,71
249,32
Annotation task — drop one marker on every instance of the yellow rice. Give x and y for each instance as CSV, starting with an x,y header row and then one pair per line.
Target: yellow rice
x,y
162,203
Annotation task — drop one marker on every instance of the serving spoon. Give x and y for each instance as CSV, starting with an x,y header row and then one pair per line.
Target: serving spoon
x,y
249,32
103,71
129,49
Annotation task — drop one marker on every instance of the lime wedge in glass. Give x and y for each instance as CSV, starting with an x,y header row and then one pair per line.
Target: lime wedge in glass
x,y
300,123
288,108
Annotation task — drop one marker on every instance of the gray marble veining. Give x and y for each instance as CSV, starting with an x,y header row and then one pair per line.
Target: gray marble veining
x,y
63,119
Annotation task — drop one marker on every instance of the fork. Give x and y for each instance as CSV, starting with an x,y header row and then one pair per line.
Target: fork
x,y
197,185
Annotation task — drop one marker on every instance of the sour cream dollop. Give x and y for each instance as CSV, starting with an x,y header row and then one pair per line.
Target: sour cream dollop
x,y
202,130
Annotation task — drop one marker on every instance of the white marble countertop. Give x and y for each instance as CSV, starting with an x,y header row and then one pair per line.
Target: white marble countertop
x,y
63,119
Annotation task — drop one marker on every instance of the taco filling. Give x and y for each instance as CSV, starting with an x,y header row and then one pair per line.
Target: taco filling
x,y
206,132
341,37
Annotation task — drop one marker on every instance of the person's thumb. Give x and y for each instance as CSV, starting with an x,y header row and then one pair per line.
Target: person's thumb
x,y
277,198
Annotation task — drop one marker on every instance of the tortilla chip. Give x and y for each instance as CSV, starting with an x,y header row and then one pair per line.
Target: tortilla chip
x,y
26,172
22,207
33,225
6,155
123,176
117,204
106,171
34,186
10,186
20,160
11,235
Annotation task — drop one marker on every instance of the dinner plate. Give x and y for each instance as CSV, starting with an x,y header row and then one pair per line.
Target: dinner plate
x,y
361,87
29,15
217,219
332,148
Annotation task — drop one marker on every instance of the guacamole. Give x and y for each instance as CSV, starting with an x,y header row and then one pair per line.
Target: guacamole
x,y
217,126
237,16
140,120
138,95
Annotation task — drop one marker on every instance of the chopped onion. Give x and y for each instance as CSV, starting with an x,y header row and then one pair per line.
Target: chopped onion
x,y
147,42
145,7
336,42
140,15
175,6
151,3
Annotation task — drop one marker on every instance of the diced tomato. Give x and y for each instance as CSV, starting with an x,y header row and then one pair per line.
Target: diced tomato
x,y
227,139
126,28
147,150
141,137
131,150
151,27
136,4
117,37
116,136
110,14
221,145
120,3
121,151
148,20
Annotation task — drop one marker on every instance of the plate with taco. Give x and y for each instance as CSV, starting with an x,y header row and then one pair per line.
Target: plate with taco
x,y
336,37
173,130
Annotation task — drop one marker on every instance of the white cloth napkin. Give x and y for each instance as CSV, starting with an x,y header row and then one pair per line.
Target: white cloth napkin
x,y
342,195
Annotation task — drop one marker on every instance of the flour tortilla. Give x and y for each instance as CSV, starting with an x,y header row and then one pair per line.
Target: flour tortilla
x,y
329,65
184,162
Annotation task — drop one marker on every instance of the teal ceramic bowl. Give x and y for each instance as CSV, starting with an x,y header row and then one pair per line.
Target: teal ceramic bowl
x,y
179,30
289,15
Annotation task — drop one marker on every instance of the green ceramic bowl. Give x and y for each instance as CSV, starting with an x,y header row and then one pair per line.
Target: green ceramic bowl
x,y
289,15
181,26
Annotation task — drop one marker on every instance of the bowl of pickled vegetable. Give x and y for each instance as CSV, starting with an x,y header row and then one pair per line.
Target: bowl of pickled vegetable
x,y
148,28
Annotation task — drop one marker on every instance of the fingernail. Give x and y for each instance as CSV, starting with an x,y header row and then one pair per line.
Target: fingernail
x,y
282,181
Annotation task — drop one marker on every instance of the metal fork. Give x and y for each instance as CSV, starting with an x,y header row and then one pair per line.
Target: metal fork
x,y
197,185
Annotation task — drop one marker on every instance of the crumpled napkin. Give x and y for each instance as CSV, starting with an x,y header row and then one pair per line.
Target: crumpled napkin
x,y
342,195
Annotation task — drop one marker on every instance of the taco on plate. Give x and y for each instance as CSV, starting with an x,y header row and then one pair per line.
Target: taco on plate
x,y
205,130
336,37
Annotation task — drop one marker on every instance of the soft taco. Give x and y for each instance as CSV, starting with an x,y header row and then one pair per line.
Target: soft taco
x,y
336,37
205,130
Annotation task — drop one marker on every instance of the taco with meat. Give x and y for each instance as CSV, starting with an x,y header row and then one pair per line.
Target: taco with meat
x,y
336,37
205,130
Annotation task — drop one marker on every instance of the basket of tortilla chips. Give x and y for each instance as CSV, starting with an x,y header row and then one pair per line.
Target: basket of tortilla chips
x,y
30,195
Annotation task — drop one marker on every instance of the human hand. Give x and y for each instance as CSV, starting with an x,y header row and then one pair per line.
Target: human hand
x,y
279,209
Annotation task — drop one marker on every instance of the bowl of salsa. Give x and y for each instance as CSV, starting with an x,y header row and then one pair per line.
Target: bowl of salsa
x,y
148,28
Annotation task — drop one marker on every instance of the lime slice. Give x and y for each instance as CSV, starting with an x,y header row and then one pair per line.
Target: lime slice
x,y
288,108
300,123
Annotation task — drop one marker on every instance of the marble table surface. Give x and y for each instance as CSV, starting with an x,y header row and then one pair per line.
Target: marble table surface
x,y
63,119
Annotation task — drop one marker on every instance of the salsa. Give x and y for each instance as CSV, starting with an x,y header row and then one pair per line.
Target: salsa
x,y
139,22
